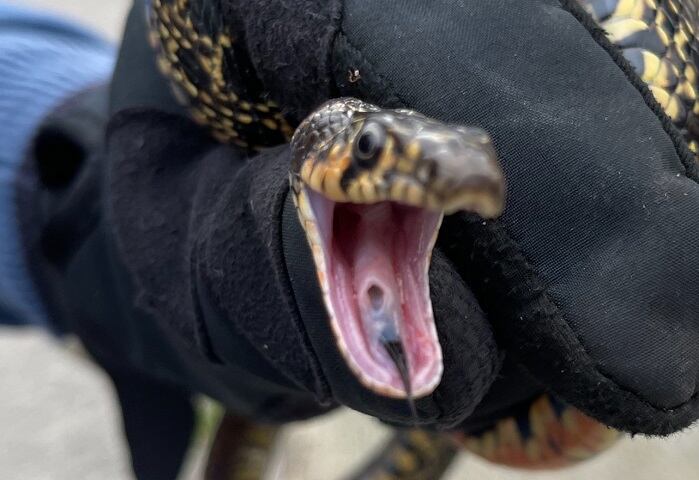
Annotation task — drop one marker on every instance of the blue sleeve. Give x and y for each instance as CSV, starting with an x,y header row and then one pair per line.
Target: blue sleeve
x,y
43,61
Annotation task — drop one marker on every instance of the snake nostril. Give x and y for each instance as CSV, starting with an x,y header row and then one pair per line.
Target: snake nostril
x,y
376,297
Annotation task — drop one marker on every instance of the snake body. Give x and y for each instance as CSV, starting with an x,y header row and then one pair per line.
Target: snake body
x,y
213,76
659,39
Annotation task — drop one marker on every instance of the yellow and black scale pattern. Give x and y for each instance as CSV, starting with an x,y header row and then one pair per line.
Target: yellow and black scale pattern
x,y
411,455
551,435
658,37
206,67
241,450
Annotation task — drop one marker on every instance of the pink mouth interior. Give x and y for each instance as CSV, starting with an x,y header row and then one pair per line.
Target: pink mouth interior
x,y
376,268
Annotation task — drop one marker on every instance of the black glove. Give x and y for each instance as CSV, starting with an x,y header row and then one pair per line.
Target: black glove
x,y
590,278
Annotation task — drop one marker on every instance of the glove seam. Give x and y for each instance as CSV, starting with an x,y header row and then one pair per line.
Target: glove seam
x,y
323,390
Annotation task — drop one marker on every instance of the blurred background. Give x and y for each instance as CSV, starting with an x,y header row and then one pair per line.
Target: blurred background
x,y
59,420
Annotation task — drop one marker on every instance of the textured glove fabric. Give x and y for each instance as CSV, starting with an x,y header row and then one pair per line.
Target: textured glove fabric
x,y
180,259
222,263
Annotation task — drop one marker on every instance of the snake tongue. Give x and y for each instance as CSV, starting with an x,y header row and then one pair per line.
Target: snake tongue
x,y
376,289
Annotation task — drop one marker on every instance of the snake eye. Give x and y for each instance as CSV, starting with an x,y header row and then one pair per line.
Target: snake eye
x,y
369,144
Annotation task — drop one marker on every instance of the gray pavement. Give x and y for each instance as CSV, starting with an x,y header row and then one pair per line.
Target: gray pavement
x,y
58,418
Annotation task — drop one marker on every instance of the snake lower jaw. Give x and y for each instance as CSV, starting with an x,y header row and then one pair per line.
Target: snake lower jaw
x,y
372,263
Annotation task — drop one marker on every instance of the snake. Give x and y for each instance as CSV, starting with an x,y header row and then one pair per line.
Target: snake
x,y
387,176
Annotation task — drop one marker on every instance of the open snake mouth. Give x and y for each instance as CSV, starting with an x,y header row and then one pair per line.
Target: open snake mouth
x,y
371,187
373,262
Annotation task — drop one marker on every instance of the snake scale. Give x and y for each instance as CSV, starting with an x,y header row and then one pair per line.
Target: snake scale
x,y
210,74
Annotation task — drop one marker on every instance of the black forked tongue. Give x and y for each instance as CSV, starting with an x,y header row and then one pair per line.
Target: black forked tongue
x,y
389,337
394,347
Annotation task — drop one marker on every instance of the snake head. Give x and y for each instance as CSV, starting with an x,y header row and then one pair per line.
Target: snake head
x,y
351,151
371,187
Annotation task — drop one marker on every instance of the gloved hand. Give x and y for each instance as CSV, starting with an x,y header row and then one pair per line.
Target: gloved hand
x,y
237,282
590,278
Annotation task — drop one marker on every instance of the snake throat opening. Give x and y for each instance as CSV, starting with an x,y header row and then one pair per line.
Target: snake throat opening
x,y
372,264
